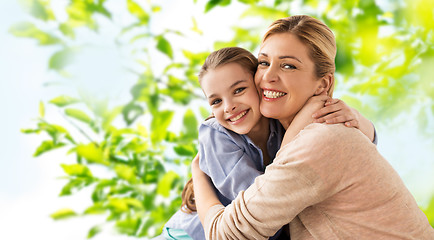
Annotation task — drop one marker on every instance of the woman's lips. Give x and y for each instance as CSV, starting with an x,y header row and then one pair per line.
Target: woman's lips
x,y
270,95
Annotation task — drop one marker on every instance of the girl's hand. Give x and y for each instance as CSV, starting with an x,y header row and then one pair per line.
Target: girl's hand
x,y
337,111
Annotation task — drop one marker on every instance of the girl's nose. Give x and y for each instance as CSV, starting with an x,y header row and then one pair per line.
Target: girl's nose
x,y
230,107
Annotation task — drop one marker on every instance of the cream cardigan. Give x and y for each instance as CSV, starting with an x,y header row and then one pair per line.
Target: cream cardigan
x,y
330,182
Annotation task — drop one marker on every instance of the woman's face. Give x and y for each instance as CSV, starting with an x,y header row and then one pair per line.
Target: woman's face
x,y
232,95
285,77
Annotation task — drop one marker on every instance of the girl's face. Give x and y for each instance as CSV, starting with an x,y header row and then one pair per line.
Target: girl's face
x,y
232,95
285,77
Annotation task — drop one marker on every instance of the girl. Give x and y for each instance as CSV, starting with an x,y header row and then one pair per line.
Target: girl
x,y
237,144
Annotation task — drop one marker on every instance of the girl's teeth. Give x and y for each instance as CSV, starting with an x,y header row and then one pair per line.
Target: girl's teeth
x,y
238,116
272,94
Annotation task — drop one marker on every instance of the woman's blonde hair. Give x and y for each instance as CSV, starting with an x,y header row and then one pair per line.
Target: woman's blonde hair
x,y
216,59
319,39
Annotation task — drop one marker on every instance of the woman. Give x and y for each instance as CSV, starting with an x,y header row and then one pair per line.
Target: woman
x,y
327,182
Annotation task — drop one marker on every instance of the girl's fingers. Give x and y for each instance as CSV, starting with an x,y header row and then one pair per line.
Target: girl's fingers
x,y
352,123
332,101
337,119
326,110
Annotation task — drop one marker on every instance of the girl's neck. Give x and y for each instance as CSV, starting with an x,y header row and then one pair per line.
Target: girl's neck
x,y
286,122
259,135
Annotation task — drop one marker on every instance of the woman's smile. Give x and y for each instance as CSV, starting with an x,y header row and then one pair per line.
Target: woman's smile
x,y
271,95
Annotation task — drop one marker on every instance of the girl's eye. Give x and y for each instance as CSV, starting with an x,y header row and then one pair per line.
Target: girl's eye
x,y
239,90
215,102
288,66
263,63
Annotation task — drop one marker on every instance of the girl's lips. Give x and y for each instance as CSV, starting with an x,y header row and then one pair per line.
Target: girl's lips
x,y
271,95
236,118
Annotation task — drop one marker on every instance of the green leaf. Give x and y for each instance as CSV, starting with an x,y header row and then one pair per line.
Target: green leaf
x,y
59,60
96,208
190,124
166,183
164,46
204,112
185,150
126,172
46,146
159,125
138,11
38,8
78,114
29,30
63,100
76,170
128,226
93,231
28,131
41,109
67,30
63,213
213,3
92,153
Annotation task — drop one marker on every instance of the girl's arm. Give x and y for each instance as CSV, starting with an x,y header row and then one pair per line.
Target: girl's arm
x,y
204,194
336,111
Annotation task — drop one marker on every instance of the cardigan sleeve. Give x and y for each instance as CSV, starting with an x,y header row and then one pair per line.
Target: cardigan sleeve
x,y
306,171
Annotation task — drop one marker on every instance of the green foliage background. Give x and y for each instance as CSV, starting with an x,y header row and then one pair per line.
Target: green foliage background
x,y
144,143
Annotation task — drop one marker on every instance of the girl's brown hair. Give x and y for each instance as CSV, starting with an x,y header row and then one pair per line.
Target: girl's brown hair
x,y
319,39
216,59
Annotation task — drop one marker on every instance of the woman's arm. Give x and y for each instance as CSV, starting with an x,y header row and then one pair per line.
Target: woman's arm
x,y
337,111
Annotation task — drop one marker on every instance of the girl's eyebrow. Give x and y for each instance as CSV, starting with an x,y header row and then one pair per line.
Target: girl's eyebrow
x,y
283,57
230,87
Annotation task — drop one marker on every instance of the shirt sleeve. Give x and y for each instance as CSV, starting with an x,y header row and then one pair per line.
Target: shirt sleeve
x,y
225,161
298,178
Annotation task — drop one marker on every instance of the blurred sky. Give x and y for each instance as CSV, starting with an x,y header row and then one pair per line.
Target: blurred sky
x,y
29,187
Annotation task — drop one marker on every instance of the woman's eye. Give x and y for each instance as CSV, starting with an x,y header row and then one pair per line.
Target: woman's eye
x,y
288,66
238,90
215,102
263,63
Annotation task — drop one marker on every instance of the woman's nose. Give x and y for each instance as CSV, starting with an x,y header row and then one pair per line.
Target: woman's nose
x,y
270,74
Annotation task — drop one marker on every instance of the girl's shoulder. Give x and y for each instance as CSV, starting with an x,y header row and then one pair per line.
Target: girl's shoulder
x,y
211,130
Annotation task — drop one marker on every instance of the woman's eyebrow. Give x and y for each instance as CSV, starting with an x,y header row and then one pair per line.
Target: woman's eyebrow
x,y
283,57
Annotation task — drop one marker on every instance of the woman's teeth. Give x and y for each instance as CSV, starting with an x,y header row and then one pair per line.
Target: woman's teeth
x,y
273,94
238,116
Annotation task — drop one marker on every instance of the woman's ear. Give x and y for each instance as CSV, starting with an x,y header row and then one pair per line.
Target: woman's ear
x,y
326,83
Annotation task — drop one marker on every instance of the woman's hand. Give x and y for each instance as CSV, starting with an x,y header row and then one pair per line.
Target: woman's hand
x,y
337,111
